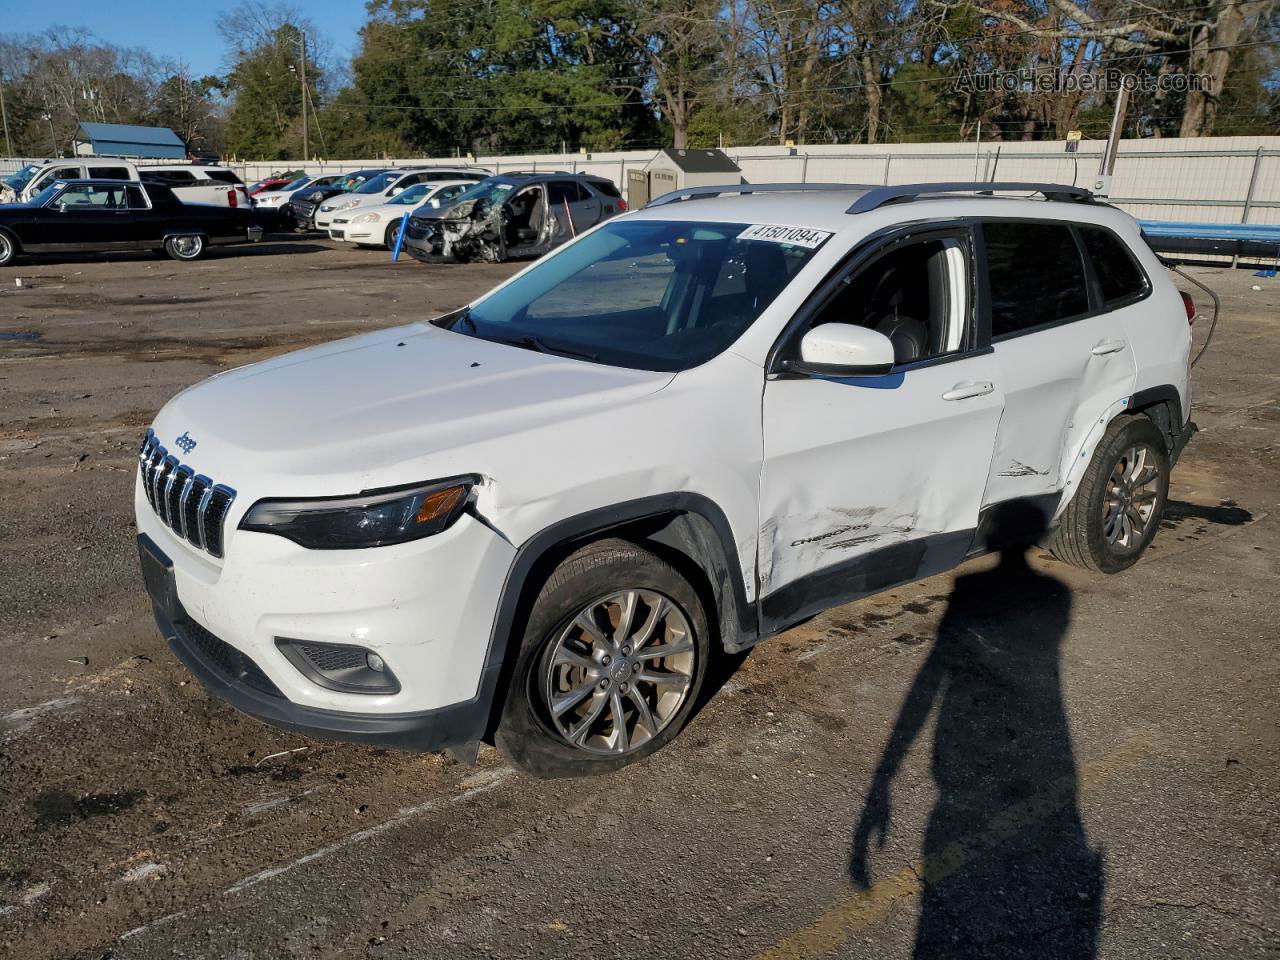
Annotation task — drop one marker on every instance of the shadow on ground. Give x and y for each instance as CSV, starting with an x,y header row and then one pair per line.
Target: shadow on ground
x,y
1007,867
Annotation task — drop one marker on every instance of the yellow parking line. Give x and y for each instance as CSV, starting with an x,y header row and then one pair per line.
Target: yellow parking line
x,y
865,907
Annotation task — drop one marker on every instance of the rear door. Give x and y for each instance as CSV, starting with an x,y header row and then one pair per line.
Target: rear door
x,y
586,209
562,195
1063,359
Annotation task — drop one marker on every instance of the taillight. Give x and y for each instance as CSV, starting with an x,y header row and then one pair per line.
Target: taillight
x,y
232,201
622,205
1189,305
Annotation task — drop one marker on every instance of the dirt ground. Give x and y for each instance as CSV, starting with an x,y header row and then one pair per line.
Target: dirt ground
x,y
992,763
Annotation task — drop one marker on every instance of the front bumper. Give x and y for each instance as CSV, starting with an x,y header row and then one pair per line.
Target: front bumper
x,y
426,607
342,229
235,678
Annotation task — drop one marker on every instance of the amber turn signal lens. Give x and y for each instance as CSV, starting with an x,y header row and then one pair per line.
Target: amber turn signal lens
x,y
439,504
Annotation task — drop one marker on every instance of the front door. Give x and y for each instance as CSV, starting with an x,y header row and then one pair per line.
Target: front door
x,y
873,481
87,216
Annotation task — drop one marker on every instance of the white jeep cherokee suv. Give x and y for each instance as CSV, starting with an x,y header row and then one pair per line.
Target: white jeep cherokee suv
x,y
538,517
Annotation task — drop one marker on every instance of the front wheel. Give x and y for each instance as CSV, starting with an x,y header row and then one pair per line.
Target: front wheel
x,y
188,247
8,249
1117,508
610,667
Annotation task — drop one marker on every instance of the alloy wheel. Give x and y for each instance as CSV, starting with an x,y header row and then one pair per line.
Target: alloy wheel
x,y
1132,489
618,672
186,246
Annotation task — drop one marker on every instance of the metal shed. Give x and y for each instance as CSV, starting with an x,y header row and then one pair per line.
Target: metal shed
x,y
125,140
673,169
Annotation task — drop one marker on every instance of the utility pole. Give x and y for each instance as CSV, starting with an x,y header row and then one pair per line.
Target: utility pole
x,y
1102,185
4,115
306,153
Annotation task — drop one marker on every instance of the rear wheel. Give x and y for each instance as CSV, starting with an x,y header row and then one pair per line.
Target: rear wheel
x,y
1117,508
187,247
611,664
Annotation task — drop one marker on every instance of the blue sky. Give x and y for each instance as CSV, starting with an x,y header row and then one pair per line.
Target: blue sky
x,y
183,30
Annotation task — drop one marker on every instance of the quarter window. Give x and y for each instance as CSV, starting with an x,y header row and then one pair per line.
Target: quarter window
x,y
1035,274
109,173
1119,276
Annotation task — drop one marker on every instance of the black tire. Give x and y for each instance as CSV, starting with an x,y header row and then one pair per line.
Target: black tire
x,y
389,239
526,733
1080,537
187,247
8,248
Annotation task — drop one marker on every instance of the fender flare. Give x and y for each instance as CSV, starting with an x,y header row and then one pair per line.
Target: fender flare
x,y
1144,400
689,522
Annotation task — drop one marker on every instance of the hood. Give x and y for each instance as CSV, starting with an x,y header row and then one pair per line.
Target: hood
x,y
397,406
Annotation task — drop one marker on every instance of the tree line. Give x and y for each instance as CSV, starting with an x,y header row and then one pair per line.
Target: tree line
x,y
450,77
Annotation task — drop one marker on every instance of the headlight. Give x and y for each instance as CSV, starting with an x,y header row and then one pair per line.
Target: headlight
x,y
347,204
371,519
270,201
365,218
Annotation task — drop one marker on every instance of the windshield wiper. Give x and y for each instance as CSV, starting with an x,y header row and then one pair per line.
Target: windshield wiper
x,y
530,342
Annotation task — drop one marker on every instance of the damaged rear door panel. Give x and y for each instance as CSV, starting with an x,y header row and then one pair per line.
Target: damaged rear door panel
x,y
1062,364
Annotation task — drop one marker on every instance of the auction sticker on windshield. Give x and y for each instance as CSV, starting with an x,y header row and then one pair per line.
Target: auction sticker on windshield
x,y
797,236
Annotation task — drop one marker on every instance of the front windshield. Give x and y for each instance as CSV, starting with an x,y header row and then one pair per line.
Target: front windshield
x,y
47,194
380,182
413,194
295,184
21,178
646,294
351,181
495,191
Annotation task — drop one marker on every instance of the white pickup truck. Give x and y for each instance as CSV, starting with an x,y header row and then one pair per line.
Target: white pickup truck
x,y
191,183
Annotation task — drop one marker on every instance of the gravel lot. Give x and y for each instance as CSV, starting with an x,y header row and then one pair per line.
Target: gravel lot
x,y
1090,769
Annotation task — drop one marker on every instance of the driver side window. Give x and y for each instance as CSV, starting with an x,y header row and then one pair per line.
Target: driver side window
x,y
915,292
94,196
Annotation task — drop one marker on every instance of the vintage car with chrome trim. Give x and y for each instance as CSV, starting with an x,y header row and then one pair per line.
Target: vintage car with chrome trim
x,y
72,216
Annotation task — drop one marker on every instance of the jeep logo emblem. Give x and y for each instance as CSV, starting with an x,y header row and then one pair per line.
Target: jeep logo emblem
x,y
185,443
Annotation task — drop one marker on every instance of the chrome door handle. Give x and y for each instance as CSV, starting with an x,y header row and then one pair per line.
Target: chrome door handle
x,y
1103,347
969,388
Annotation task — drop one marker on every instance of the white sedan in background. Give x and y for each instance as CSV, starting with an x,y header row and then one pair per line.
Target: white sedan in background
x,y
374,226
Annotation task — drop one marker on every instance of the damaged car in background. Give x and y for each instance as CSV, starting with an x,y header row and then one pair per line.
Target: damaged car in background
x,y
512,217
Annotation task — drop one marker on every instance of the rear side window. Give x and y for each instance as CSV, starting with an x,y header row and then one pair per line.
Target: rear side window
x,y
109,173
1035,274
562,191
223,176
607,188
1119,275
175,178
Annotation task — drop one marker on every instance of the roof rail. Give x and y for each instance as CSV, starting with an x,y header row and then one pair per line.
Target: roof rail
x,y
877,197
692,193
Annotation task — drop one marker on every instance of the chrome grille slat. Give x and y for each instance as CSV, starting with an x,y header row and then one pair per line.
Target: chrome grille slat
x,y
190,504
164,480
203,514
188,478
